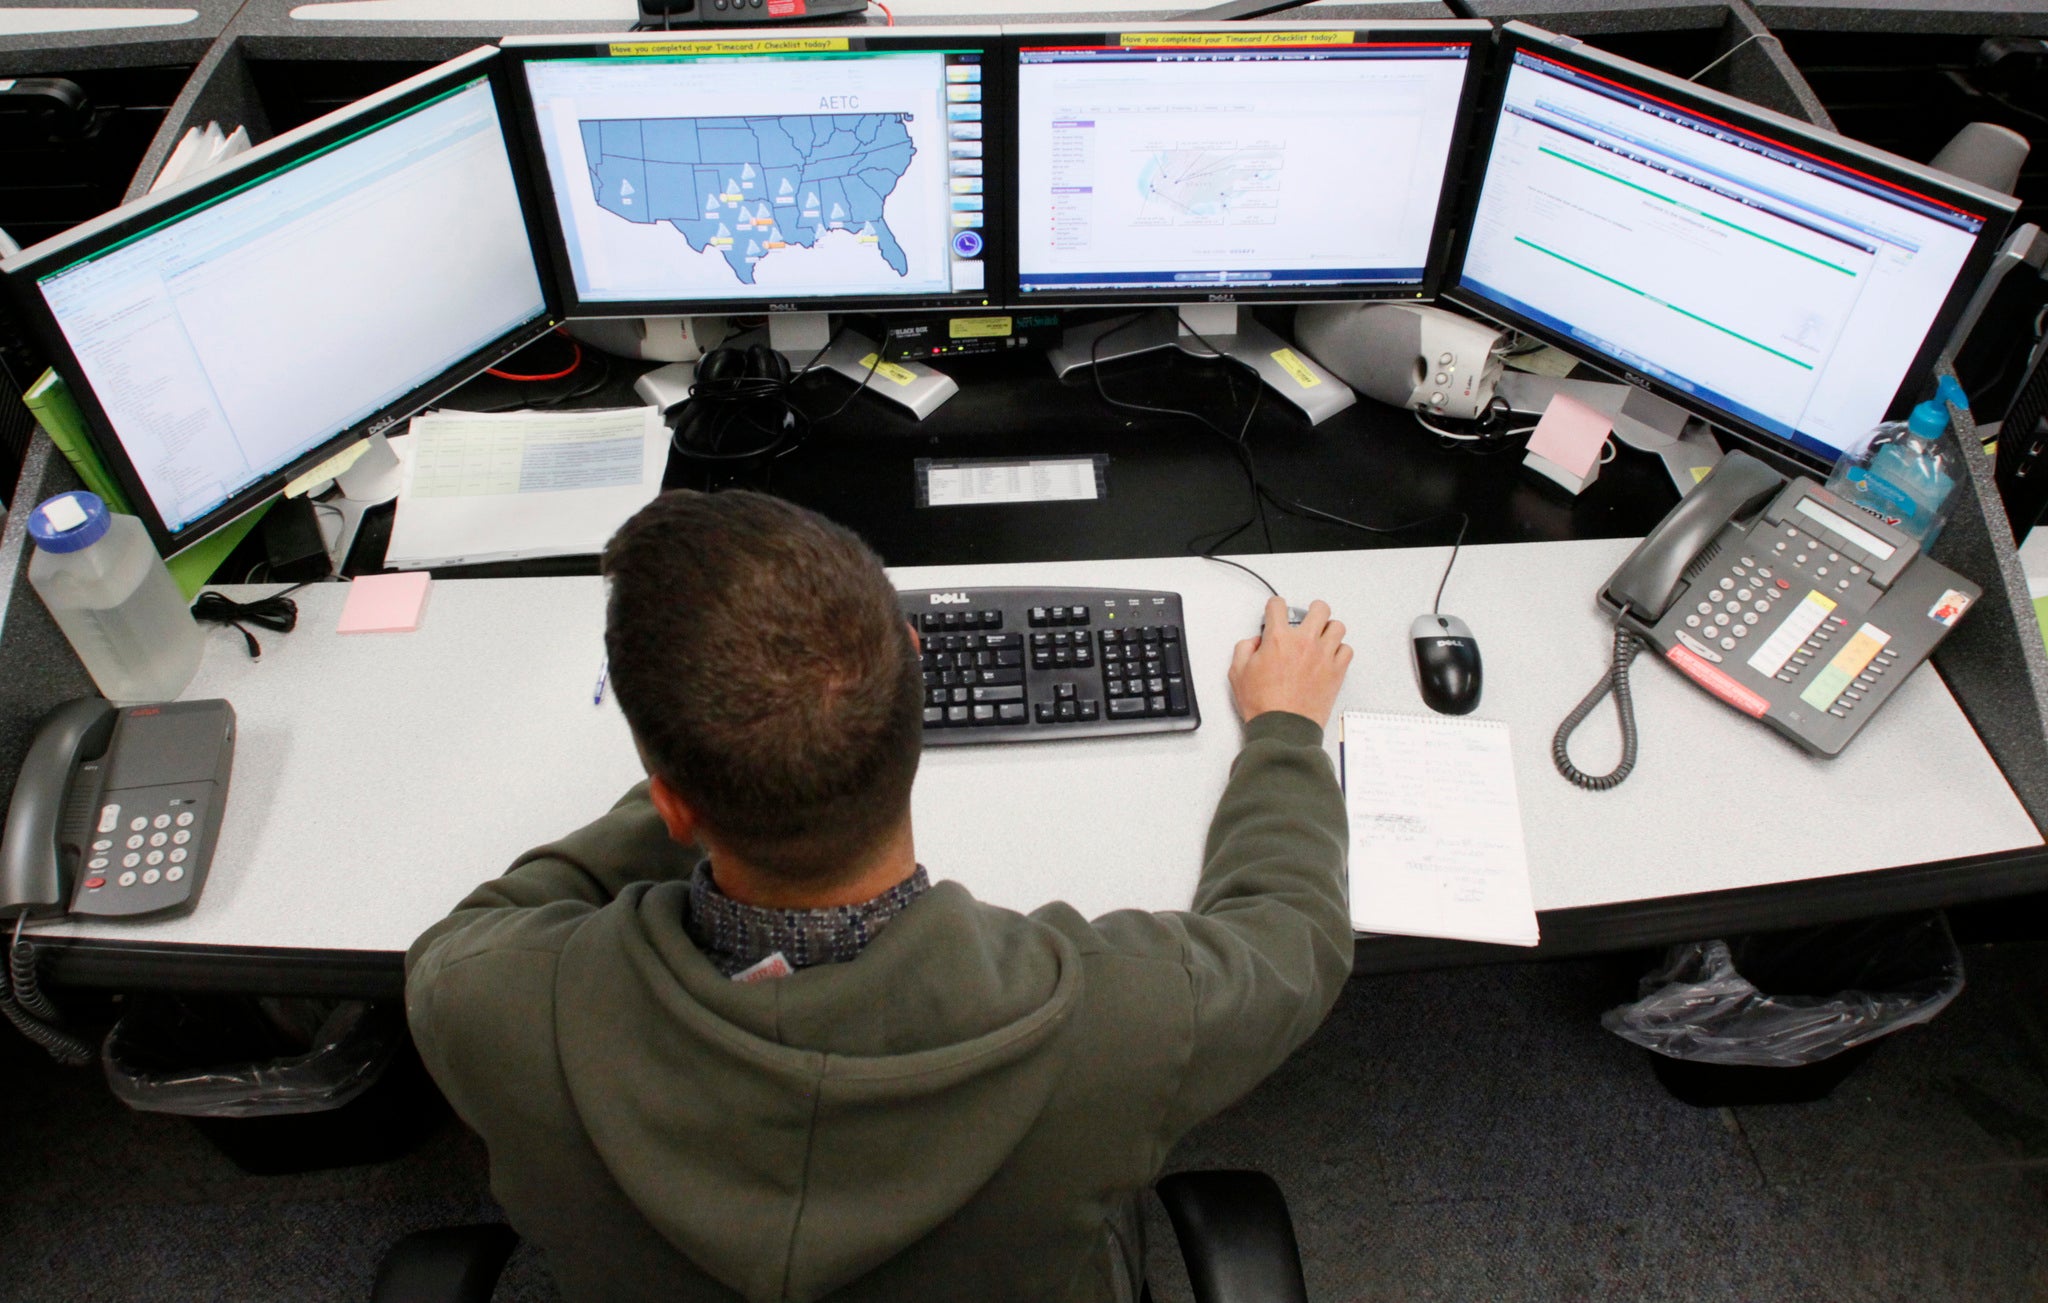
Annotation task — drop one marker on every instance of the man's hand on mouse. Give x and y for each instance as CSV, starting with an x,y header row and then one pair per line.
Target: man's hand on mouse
x,y
1291,667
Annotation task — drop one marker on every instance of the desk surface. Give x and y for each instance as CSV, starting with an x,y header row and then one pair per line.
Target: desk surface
x,y
379,777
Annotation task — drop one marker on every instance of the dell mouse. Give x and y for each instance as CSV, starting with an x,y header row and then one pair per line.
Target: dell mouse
x,y
1446,663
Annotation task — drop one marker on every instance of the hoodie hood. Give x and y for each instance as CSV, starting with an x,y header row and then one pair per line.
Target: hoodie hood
x,y
925,1063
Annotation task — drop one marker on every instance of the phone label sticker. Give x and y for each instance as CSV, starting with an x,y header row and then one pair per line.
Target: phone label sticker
x,y
1797,627
1717,682
1950,608
1843,669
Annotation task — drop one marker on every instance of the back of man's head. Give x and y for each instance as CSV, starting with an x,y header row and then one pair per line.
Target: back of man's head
x,y
757,651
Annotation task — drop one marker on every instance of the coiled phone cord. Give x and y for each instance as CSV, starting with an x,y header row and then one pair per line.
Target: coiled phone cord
x,y
31,1012
1626,645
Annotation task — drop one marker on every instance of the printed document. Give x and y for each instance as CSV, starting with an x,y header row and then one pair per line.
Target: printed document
x,y
505,486
1436,829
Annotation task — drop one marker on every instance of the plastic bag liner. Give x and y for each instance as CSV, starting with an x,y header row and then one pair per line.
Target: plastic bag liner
x,y
247,1057
1788,999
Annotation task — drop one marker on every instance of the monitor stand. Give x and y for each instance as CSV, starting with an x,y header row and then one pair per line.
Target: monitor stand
x,y
799,336
372,480
1642,420
1292,375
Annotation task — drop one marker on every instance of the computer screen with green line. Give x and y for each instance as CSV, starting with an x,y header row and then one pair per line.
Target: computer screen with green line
x,y
1780,281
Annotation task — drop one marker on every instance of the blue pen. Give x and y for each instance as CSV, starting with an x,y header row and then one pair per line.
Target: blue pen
x,y
604,669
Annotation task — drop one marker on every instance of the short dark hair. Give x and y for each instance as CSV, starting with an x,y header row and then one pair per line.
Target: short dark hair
x,y
759,656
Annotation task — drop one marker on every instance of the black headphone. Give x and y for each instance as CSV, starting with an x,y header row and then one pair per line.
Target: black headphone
x,y
737,390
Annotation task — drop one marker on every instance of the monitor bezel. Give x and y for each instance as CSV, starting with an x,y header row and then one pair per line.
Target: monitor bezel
x,y
1773,127
93,238
1477,33
553,243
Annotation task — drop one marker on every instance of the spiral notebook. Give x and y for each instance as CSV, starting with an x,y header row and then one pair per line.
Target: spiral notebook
x,y
1436,829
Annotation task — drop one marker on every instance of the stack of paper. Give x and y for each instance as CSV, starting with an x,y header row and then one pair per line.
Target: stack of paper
x,y
1436,829
201,148
506,486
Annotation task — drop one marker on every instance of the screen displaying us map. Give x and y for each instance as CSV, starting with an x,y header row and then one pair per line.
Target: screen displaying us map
x,y
814,176
751,187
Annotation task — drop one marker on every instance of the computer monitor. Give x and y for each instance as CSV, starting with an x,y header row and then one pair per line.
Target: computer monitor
x,y
748,172
238,330
1789,285
1178,163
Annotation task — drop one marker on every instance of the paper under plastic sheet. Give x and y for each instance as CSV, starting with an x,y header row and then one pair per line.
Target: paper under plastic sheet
x,y
504,486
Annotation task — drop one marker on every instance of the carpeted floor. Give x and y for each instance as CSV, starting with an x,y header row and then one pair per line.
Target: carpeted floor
x,y
1467,1135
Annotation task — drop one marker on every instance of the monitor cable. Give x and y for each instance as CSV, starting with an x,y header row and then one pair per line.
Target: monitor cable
x,y
23,1002
1626,646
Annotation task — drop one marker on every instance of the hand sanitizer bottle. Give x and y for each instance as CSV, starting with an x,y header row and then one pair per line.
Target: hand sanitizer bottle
x,y
109,592
1904,472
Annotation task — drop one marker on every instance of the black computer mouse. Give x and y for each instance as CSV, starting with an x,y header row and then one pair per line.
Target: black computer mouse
x,y
1446,664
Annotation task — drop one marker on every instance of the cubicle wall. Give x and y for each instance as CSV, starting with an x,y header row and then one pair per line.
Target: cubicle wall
x,y
1890,73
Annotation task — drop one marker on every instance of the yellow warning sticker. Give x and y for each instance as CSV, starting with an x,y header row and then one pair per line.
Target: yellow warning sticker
x,y
1297,368
1231,40
978,327
889,371
1701,472
765,45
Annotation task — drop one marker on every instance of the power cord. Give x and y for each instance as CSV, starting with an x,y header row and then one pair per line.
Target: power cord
x,y
276,612
1626,646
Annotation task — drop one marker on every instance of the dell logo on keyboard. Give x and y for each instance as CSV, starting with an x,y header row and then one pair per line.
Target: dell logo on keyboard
x,y
949,599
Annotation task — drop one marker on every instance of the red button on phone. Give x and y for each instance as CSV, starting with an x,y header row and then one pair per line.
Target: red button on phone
x,y
1781,583
94,884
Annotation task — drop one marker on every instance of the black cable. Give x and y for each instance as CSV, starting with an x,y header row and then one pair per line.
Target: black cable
x,y
24,1004
276,612
1626,645
1436,605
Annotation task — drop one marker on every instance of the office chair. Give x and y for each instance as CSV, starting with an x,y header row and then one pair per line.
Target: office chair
x,y
1233,1228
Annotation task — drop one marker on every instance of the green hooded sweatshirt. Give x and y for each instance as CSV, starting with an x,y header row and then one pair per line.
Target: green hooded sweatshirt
x,y
966,1110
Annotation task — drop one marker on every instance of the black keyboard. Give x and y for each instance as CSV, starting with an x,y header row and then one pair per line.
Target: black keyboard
x,y
1040,664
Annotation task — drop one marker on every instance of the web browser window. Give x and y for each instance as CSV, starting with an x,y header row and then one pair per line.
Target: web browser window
x,y
1187,169
232,339
1788,290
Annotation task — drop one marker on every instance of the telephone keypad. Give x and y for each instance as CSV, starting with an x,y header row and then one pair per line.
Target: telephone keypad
x,y
185,819
135,842
137,824
126,879
130,860
110,818
173,873
104,844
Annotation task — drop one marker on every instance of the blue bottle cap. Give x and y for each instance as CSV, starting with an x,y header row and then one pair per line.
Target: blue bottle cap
x,y
69,521
1929,419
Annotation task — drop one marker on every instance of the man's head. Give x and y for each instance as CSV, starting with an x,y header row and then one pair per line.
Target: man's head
x,y
759,656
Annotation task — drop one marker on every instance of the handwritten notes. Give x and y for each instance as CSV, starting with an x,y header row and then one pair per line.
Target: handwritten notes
x,y
1436,829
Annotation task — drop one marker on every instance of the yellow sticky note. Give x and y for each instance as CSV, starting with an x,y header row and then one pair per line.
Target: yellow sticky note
x,y
1701,472
328,469
1297,368
901,375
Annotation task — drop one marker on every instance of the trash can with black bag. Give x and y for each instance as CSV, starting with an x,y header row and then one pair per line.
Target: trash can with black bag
x,y
277,1084
1783,1017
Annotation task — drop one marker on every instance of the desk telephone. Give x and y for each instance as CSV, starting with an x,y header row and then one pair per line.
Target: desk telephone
x,y
116,810
1781,600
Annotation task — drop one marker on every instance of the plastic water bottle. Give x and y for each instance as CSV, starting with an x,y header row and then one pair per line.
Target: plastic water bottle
x,y
1905,471
111,595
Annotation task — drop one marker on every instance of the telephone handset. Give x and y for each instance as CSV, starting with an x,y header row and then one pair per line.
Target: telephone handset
x,y
116,810
1779,599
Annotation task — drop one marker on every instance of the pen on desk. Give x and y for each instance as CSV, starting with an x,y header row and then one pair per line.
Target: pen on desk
x,y
604,669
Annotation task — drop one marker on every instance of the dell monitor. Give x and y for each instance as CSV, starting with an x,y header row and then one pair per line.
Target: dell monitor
x,y
238,330
1784,283
1181,164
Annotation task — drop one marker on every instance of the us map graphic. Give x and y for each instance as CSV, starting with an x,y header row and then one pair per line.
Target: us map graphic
x,y
749,186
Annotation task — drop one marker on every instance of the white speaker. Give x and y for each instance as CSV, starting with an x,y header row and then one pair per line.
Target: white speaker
x,y
1409,354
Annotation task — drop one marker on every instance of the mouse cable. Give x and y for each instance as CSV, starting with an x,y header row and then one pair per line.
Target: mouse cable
x,y
1615,680
1239,447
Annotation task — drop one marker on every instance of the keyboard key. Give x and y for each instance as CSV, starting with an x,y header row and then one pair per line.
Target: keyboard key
x,y
1010,712
934,716
998,641
1170,633
1063,692
1038,617
1000,676
957,714
1149,634
1077,615
1176,696
1066,712
1009,692
1172,659
1126,707
929,622
1156,705
991,619
1090,709
1057,615
1044,712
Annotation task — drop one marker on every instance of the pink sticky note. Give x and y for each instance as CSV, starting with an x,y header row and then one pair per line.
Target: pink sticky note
x,y
385,603
1570,435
